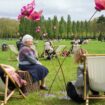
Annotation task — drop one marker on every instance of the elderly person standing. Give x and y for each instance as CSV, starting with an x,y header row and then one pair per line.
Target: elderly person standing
x,y
27,61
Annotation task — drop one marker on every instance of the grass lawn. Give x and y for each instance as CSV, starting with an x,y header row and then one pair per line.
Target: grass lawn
x,y
69,69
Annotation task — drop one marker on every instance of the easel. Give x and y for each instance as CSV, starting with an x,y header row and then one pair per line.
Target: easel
x,y
60,68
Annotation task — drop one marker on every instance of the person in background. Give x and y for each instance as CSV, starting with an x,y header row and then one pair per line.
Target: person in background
x,y
28,62
49,50
19,44
75,89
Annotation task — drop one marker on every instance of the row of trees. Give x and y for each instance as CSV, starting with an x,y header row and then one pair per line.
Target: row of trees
x,y
53,28
8,28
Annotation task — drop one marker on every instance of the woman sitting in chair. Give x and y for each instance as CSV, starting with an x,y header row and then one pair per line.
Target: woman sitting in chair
x,y
75,89
28,62
49,51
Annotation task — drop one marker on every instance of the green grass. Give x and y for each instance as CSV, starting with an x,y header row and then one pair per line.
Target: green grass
x,y
69,69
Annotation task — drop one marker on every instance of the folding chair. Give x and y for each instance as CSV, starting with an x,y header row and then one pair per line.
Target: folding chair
x,y
60,49
13,50
95,65
7,95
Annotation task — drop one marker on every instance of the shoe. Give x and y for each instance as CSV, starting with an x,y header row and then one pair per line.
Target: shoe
x,y
94,92
43,88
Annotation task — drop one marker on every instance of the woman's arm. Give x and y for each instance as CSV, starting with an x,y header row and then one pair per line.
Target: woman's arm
x,y
79,81
28,55
32,59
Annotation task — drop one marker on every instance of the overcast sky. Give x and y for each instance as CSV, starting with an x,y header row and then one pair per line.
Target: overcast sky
x,y
77,9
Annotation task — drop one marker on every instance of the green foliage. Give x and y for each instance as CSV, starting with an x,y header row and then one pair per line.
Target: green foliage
x,y
62,27
74,29
69,30
8,28
55,27
101,19
49,28
101,24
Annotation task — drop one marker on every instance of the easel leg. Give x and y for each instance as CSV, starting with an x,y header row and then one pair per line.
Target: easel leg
x,y
60,67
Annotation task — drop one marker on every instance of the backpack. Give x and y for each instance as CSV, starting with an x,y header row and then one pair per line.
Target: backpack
x,y
71,92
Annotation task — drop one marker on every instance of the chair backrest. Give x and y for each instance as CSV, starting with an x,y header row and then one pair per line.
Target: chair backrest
x,y
13,49
96,72
9,75
60,48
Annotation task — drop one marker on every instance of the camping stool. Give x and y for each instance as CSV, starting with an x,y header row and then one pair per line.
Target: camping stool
x,y
30,87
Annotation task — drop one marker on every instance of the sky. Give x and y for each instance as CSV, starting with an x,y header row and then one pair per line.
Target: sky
x,y
77,9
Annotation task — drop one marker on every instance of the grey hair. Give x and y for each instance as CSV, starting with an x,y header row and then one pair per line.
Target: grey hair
x,y
27,37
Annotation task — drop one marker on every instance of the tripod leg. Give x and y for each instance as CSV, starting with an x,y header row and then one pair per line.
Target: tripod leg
x,y
62,70
56,76
53,81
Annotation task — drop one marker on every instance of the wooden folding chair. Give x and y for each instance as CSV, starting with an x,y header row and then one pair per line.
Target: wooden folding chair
x,y
7,95
60,49
95,64
13,52
13,49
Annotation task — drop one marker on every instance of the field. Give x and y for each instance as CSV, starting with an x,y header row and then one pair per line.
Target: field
x,y
69,69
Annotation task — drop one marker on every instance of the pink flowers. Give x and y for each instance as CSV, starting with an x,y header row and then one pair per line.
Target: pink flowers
x,y
35,15
37,29
29,13
100,5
